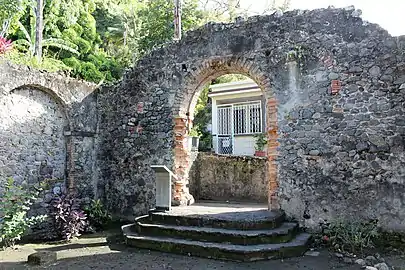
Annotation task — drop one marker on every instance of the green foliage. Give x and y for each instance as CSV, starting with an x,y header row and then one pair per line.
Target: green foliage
x,y
98,39
14,206
27,44
157,22
202,116
261,141
98,216
229,78
90,72
298,54
47,63
96,67
353,236
10,12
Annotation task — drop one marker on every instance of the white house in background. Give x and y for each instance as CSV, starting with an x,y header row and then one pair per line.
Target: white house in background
x,y
238,113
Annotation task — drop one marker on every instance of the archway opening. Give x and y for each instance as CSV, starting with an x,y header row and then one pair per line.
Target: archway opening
x,y
229,134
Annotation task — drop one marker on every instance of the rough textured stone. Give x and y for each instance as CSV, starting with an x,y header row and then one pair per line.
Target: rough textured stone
x,y
42,258
43,117
333,41
382,266
370,268
360,262
371,260
229,178
31,135
312,253
116,133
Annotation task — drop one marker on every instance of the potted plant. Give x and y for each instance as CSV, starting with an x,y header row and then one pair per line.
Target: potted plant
x,y
261,142
193,139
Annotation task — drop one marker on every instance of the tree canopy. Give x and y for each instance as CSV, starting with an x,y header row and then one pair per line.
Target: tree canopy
x,y
97,39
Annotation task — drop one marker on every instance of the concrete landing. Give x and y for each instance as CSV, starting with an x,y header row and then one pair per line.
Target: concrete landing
x,y
221,215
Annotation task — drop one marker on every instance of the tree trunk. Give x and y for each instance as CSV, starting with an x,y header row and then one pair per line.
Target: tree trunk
x,y
177,19
39,27
232,10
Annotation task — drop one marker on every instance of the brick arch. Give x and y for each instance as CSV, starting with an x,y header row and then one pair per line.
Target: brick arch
x,y
210,69
184,111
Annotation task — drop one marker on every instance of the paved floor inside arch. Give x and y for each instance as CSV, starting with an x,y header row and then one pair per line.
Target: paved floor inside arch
x,y
223,211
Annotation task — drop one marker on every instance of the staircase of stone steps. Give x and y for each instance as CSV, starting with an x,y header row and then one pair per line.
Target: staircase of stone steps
x,y
238,236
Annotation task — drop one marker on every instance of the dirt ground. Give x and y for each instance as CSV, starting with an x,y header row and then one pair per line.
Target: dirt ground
x,y
106,251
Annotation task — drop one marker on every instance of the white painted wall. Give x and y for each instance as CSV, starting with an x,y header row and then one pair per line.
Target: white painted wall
x,y
244,145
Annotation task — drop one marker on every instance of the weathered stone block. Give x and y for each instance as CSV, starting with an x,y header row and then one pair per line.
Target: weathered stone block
x,y
42,258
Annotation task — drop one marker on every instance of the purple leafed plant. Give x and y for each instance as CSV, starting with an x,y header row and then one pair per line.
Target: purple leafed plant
x,y
5,45
69,219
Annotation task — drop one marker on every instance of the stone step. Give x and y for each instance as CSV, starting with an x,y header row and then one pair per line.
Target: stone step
x,y
223,251
249,220
282,234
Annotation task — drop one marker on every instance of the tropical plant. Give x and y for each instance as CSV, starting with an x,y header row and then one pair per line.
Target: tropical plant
x,y
350,236
49,64
97,215
98,39
5,45
261,141
28,43
10,10
69,219
157,26
14,206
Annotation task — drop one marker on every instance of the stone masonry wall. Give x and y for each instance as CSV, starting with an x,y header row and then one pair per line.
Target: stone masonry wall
x,y
229,178
45,120
337,82
31,133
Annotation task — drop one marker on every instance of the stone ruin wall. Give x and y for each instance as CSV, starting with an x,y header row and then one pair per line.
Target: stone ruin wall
x,y
229,178
339,121
336,86
47,128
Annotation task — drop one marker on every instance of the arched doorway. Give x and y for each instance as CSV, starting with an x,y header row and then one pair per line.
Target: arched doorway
x,y
183,120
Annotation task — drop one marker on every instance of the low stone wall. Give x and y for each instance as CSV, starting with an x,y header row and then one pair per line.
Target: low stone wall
x,y
229,178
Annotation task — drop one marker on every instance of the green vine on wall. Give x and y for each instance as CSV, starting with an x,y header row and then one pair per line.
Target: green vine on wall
x,y
297,53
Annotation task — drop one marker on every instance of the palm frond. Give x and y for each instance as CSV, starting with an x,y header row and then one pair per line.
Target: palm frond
x,y
22,42
61,44
25,32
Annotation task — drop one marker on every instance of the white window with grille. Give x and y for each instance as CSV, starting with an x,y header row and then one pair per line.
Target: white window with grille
x,y
247,118
237,119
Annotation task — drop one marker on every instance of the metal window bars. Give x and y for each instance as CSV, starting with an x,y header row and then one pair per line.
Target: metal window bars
x,y
237,119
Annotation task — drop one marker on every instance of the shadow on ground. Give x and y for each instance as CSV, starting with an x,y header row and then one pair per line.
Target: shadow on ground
x,y
108,251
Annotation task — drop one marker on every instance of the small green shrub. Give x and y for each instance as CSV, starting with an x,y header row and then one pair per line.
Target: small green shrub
x,y
261,141
98,216
14,206
48,64
354,236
